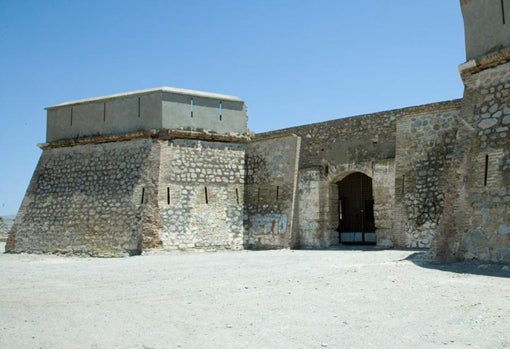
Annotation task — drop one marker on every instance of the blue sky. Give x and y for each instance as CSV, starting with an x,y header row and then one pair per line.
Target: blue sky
x,y
293,62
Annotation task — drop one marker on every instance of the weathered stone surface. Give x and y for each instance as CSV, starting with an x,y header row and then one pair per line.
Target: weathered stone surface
x,y
86,200
329,152
424,144
476,226
3,229
153,172
487,123
201,195
270,192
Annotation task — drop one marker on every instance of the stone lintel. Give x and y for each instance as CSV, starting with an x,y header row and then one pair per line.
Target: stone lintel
x,y
163,134
204,136
477,65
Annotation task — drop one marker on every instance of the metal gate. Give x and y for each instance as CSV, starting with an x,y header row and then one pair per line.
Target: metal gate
x,y
356,224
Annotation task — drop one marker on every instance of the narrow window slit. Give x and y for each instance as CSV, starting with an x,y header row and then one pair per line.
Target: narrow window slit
x,y
104,112
221,110
258,195
486,172
71,116
277,192
167,195
191,104
503,11
143,195
138,106
403,183
206,196
237,196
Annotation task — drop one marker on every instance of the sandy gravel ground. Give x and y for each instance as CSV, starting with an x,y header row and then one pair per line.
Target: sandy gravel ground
x,y
268,299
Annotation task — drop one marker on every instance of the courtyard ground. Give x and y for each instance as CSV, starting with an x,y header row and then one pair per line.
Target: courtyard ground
x,y
345,298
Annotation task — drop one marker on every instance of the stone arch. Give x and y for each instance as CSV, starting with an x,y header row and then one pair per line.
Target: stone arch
x,y
341,175
352,207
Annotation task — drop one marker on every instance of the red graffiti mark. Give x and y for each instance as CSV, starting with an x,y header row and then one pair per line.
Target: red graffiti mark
x,y
272,227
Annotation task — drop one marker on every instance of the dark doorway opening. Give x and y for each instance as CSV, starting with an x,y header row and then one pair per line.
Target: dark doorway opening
x,y
356,223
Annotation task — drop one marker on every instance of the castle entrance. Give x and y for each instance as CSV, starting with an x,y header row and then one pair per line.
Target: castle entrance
x,y
355,207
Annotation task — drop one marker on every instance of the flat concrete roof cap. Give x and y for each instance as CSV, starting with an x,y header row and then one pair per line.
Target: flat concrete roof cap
x,y
175,90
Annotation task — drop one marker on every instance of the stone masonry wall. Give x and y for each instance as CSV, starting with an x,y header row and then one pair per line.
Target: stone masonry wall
x,y
86,199
383,177
3,229
270,191
313,228
426,144
330,151
318,202
343,141
488,176
201,194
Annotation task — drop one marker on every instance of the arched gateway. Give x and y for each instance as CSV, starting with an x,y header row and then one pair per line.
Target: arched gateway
x,y
355,209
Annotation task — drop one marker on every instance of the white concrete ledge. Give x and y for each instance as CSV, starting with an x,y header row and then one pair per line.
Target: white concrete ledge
x,y
150,90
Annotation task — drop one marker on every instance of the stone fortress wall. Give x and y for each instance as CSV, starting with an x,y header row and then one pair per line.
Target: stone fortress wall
x,y
85,199
200,194
160,168
329,152
482,193
475,223
3,229
270,192
425,146
178,169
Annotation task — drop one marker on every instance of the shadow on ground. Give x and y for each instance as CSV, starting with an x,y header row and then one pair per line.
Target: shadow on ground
x,y
423,259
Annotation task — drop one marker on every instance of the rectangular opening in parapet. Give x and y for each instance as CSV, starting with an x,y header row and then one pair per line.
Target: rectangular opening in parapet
x,y
71,116
221,110
104,112
138,106
277,192
191,104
